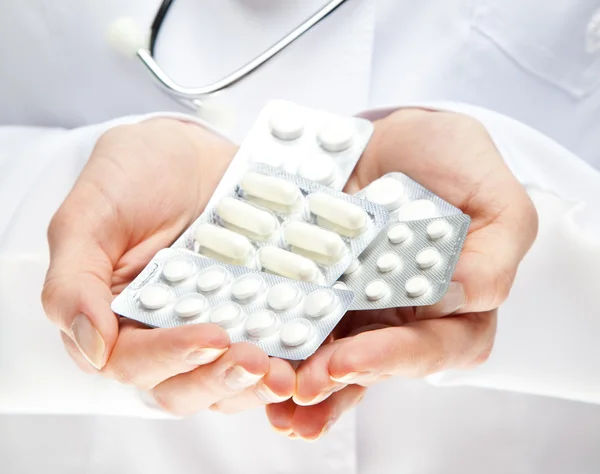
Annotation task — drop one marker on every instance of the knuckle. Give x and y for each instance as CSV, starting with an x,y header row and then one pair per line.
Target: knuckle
x,y
169,403
120,374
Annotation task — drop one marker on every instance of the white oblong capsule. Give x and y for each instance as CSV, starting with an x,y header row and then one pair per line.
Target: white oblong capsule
x,y
288,264
336,210
246,217
271,189
313,239
223,241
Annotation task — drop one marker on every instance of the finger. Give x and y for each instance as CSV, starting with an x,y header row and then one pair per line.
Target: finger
x,y
280,416
241,367
415,350
76,355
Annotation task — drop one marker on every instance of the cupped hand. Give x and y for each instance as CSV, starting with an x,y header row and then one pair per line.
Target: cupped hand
x,y
142,186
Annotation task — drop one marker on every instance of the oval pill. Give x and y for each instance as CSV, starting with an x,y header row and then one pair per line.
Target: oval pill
x,y
190,305
283,296
295,333
178,269
271,189
438,229
246,217
320,171
336,135
376,290
417,286
223,241
247,287
428,258
388,262
340,285
288,264
338,211
399,233
387,192
261,323
154,296
353,267
212,278
314,239
287,123
417,210
227,315
320,303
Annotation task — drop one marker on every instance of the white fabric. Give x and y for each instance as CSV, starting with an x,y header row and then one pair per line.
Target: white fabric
x,y
526,59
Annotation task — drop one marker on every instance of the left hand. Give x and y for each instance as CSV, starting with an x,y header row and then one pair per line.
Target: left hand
x,y
453,156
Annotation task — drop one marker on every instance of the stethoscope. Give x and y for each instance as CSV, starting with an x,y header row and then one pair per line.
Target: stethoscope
x,y
125,36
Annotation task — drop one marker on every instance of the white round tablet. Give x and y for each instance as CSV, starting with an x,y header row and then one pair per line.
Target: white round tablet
x,y
190,305
428,258
438,229
353,267
320,171
417,286
320,303
387,262
376,290
178,269
287,123
283,296
212,278
399,233
295,333
387,192
417,210
336,135
154,296
246,287
261,323
340,285
227,315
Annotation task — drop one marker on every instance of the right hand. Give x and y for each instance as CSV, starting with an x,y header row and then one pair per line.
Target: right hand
x,y
142,186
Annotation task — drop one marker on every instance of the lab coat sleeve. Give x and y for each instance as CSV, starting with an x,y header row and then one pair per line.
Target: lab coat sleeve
x,y
547,340
38,167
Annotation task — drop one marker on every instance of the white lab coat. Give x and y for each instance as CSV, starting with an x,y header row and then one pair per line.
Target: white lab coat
x,y
536,61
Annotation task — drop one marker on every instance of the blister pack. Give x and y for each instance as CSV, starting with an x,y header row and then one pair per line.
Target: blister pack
x,y
412,262
285,318
267,219
316,145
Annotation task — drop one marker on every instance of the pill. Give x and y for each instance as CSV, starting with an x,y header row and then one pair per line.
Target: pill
x,y
353,267
417,286
336,135
287,123
261,323
388,262
320,303
320,170
438,229
223,242
283,296
190,305
178,269
340,286
246,217
416,210
227,315
295,333
247,287
288,264
154,296
387,192
428,258
271,189
336,210
314,239
376,290
399,233
212,278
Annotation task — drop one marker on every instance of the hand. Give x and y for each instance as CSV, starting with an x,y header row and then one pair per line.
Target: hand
x,y
142,186
453,156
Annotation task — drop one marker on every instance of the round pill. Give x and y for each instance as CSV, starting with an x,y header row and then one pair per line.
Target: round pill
x,y
247,287
336,135
416,210
227,315
287,123
388,262
261,323
387,192
340,285
376,290
399,233
320,303
283,296
154,296
178,269
212,278
428,258
190,305
438,229
353,267
417,286
295,333
320,171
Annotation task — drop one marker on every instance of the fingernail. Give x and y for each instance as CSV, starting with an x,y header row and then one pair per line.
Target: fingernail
x,y
453,300
351,377
266,395
238,378
88,341
319,398
205,356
